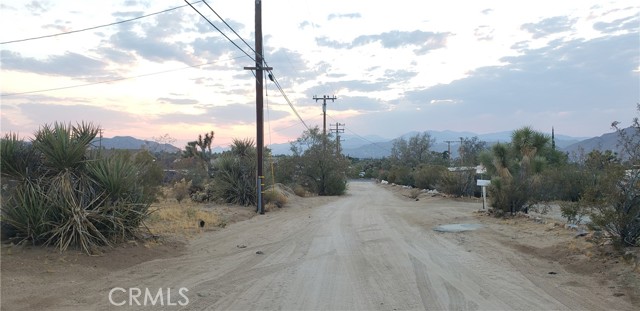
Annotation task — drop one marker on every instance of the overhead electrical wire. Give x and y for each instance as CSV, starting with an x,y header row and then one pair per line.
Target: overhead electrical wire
x,y
277,84
270,72
115,80
220,31
361,137
231,28
96,27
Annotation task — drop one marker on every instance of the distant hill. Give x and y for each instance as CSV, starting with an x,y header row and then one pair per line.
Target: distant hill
x,y
132,143
377,147
608,141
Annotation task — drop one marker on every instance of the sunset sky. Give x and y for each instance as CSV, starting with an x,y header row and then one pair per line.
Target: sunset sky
x,y
395,66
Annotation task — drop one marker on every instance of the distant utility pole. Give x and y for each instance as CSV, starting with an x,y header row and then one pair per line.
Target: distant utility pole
x,y
338,130
461,152
324,99
259,103
449,148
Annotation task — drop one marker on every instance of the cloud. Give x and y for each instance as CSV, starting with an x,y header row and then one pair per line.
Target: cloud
x,y
424,40
48,113
151,48
629,23
589,74
178,101
69,64
229,114
444,101
340,16
306,24
37,7
548,26
160,42
483,33
487,11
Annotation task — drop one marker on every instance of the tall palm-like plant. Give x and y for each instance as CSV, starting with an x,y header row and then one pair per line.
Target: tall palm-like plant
x,y
516,165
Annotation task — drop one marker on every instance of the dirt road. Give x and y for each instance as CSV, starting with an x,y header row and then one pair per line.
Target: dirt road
x,y
368,250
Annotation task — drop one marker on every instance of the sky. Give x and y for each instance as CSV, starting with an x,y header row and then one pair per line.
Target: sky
x,y
394,66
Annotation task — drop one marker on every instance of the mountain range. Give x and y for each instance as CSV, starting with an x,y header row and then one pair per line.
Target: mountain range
x,y
377,147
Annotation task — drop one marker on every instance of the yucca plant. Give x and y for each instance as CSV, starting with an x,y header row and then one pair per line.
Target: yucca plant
x,y
17,159
116,175
30,214
64,146
72,198
235,178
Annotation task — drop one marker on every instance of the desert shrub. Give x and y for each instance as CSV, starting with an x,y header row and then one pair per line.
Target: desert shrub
x,y
615,201
300,191
273,196
414,193
181,190
565,183
235,175
428,176
400,175
335,184
574,212
458,183
68,196
383,175
151,176
314,165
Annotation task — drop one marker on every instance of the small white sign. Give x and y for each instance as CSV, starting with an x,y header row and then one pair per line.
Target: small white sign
x,y
483,182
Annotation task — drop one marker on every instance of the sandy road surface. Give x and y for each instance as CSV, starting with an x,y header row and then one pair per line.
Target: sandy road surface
x,y
369,250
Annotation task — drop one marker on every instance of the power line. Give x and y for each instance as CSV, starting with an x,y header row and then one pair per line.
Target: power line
x,y
361,137
220,31
231,28
277,84
270,72
96,27
115,80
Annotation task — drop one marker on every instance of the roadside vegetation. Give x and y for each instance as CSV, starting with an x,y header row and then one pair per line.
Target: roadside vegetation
x,y
527,173
60,189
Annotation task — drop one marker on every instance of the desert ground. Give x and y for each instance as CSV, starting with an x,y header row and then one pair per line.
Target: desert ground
x,y
371,249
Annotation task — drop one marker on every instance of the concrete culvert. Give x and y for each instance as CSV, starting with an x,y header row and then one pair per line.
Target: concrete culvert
x,y
457,227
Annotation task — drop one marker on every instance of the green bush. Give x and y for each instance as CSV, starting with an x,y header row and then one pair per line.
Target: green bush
x,y
458,183
401,175
428,176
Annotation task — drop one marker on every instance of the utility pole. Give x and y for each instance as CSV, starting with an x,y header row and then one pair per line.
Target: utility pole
x,y
461,152
259,103
338,130
449,148
324,110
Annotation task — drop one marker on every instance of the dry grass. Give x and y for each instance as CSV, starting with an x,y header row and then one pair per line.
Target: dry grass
x,y
170,217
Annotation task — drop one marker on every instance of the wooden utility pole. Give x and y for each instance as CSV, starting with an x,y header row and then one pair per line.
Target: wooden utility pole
x,y
324,99
449,148
338,130
259,68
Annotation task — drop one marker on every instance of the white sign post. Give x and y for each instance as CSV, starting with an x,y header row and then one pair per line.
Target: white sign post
x,y
484,183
